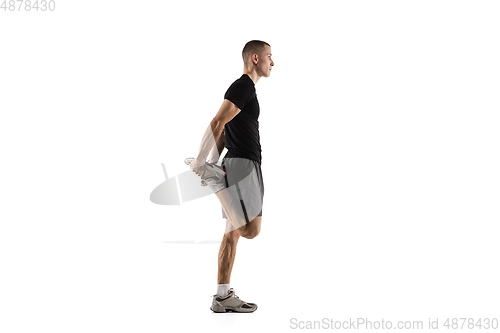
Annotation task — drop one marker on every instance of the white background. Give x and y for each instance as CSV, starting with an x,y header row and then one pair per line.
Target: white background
x,y
379,127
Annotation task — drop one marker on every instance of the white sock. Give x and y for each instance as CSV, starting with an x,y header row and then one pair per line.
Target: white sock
x,y
222,289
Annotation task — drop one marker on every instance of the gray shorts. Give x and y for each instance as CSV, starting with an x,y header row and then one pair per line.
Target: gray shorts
x,y
245,184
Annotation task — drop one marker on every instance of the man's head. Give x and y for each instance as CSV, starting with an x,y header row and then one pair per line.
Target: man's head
x,y
257,56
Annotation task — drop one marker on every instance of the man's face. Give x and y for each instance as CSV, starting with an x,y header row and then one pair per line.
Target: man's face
x,y
265,62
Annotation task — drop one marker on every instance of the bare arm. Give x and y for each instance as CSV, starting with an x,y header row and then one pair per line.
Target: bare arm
x,y
217,150
212,135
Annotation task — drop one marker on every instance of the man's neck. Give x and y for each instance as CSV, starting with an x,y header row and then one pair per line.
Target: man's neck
x,y
253,75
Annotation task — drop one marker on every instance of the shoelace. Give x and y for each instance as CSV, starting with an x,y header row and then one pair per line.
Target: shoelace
x,y
229,291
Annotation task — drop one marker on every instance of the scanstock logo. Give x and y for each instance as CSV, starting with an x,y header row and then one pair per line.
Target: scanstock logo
x,y
178,189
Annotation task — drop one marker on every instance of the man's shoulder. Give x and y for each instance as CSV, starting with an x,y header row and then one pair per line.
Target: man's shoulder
x,y
240,92
243,81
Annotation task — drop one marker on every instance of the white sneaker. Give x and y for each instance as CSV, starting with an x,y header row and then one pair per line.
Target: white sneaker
x,y
231,303
214,175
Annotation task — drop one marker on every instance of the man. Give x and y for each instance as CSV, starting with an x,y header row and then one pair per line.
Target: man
x,y
241,191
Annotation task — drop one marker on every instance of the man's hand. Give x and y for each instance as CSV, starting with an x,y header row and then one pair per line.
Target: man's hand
x,y
198,167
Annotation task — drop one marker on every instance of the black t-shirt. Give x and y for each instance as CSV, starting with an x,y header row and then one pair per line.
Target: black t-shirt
x,y
242,132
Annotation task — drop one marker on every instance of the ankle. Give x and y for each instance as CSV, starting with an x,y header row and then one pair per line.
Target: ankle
x,y
222,289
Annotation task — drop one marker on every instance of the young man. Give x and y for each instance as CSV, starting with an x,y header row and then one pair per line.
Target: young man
x,y
241,191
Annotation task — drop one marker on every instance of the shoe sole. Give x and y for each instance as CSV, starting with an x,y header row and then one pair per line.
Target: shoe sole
x,y
231,310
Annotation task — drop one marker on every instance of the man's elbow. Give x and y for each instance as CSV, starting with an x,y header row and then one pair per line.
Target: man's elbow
x,y
217,124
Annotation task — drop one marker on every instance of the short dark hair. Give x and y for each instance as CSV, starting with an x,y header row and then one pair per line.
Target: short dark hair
x,y
252,47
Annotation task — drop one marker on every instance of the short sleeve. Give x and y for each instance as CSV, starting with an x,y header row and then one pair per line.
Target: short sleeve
x,y
239,93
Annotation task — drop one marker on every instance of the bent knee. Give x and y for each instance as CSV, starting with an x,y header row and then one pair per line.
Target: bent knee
x,y
252,229
252,233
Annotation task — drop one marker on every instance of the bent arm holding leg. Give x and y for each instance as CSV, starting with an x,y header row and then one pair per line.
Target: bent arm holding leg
x,y
226,112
